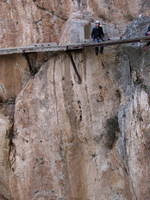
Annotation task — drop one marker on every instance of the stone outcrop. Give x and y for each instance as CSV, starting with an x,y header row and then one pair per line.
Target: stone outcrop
x,y
14,74
65,140
5,135
134,119
63,135
29,22
26,22
73,140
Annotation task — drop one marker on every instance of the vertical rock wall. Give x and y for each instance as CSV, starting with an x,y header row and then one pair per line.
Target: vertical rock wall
x,y
14,73
65,145
29,22
61,140
84,141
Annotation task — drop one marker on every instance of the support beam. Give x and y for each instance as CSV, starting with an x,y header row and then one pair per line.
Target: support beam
x,y
48,47
74,67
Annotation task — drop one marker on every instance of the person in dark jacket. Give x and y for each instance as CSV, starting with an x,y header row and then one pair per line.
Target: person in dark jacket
x,y
98,35
147,34
148,30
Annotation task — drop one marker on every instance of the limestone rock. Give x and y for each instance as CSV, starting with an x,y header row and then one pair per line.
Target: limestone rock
x,y
29,22
14,73
5,134
71,141
64,145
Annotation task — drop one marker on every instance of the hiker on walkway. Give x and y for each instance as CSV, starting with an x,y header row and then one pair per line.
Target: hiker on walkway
x,y
98,36
147,34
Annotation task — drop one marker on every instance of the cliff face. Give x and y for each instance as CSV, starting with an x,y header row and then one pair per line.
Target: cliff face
x,y
65,140
83,141
69,153
28,22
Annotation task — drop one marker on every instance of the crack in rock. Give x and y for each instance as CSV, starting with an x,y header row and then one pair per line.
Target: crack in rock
x,y
51,12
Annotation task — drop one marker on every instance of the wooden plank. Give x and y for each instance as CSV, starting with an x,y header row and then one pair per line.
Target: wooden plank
x,y
114,42
6,51
47,47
